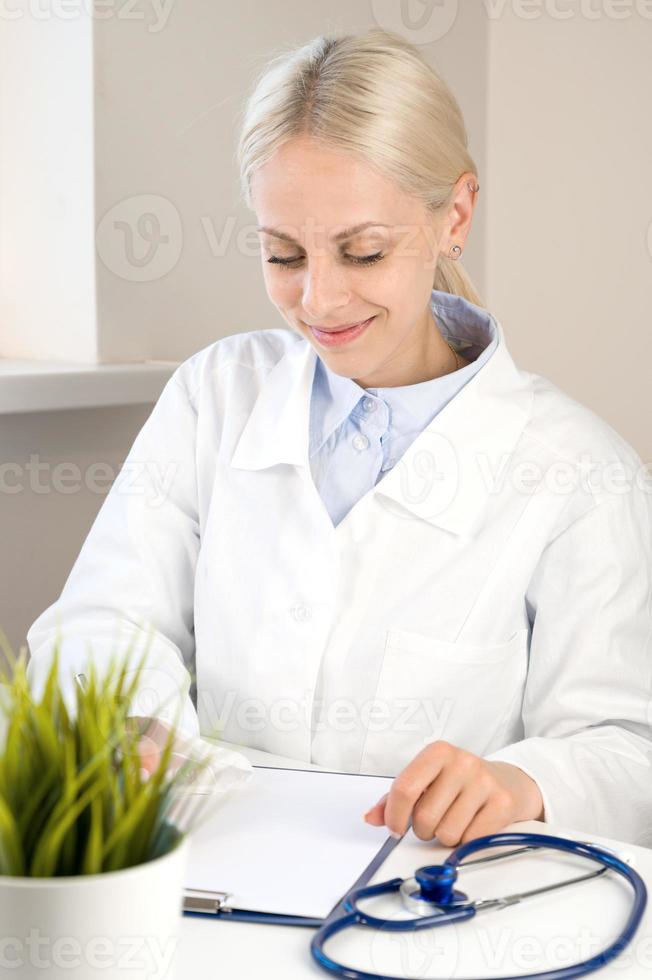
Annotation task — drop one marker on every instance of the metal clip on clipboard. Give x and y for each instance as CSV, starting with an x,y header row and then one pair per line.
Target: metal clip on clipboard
x,y
204,902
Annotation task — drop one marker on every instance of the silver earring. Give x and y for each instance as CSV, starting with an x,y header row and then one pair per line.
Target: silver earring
x,y
472,188
455,252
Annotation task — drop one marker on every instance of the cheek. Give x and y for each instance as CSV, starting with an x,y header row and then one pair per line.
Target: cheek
x,y
281,286
413,269
386,285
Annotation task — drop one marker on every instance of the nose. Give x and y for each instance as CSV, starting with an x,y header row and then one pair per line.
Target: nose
x,y
325,290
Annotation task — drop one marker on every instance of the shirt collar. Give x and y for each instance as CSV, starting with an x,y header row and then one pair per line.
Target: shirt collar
x,y
332,400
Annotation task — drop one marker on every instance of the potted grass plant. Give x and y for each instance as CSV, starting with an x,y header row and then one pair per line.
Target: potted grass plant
x,y
92,847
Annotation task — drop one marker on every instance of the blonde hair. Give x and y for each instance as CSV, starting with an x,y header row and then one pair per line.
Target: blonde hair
x,y
374,95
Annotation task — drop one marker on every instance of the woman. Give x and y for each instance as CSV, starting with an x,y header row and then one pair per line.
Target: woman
x,y
383,547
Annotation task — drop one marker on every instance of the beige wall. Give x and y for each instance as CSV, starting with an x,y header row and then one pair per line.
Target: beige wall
x,y
569,205
167,108
46,510
557,119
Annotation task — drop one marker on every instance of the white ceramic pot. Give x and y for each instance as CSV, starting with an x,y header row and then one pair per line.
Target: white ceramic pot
x,y
122,925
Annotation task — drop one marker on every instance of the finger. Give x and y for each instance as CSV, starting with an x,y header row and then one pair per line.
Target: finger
x,y
153,728
437,800
494,816
149,753
376,815
460,814
411,783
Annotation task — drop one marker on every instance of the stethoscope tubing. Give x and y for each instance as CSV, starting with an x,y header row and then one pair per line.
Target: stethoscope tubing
x,y
347,914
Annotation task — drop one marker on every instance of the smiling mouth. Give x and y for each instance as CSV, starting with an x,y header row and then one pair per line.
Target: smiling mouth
x,y
346,326
343,335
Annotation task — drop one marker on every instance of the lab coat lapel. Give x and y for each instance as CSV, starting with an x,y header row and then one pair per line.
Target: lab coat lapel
x,y
445,475
277,428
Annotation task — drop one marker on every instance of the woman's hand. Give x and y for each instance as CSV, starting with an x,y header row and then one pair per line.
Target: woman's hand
x,y
456,796
153,736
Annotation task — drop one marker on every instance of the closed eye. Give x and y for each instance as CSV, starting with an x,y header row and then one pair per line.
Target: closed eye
x,y
357,259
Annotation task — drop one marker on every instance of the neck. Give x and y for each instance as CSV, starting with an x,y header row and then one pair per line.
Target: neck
x,y
427,357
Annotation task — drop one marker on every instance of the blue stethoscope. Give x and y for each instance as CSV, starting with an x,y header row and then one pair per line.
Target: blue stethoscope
x,y
432,896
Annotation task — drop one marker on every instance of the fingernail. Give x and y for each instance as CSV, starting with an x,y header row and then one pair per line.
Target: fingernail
x,y
144,774
393,833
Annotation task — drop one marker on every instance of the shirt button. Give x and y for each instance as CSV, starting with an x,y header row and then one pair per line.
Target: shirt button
x,y
359,441
301,612
369,404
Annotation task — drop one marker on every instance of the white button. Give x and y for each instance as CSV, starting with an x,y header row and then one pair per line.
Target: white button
x,y
301,612
359,441
369,404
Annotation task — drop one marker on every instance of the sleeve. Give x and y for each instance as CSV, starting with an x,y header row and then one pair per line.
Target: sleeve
x,y
132,585
587,701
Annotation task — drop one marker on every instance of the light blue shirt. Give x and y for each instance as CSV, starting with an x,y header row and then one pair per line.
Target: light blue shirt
x,y
358,434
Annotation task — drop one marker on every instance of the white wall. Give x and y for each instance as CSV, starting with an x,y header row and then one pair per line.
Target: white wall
x,y
47,265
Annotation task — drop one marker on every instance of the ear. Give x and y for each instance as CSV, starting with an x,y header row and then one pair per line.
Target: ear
x,y
460,213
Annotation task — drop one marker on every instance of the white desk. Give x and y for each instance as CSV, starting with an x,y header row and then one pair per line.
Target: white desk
x,y
494,944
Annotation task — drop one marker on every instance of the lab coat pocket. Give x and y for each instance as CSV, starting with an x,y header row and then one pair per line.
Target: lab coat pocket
x,y
430,689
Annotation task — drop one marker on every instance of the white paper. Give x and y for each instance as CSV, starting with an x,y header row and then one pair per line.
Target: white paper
x,y
290,841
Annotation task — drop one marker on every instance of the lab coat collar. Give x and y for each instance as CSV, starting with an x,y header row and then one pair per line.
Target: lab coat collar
x,y
444,475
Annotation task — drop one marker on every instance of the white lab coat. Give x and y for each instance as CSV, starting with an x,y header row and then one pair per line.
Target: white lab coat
x,y
480,593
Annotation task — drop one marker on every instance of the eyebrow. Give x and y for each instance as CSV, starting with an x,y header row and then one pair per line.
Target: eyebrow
x,y
340,236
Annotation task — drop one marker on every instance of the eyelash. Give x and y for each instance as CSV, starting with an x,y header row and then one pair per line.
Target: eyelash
x,y
358,260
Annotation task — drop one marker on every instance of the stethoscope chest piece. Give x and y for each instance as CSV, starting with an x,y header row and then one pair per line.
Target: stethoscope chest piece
x,y
431,890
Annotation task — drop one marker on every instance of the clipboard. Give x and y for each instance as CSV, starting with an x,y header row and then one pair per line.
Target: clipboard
x,y
309,787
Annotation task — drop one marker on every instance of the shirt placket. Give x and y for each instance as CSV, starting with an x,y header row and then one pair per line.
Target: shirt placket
x,y
370,418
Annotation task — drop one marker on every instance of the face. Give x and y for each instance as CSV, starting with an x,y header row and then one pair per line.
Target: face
x,y
323,276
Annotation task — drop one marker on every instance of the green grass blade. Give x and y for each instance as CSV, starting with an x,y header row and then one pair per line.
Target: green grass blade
x,y
11,852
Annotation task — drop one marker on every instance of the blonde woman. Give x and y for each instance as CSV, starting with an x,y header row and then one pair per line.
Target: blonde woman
x,y
385,548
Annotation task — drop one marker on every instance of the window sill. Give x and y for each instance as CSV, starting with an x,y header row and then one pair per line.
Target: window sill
x,y
44,386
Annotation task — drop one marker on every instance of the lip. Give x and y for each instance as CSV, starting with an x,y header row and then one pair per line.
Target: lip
x,y
335,338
